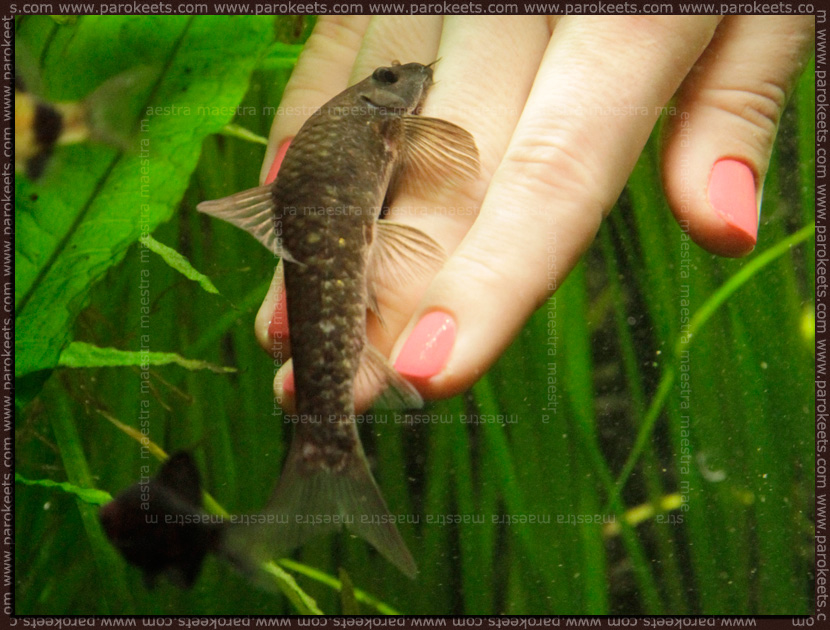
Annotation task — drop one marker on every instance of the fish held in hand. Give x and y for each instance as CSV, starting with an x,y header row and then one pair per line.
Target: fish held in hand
x,y
322,216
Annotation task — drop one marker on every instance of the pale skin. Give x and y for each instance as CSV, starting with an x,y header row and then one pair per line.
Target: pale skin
x,y
560,108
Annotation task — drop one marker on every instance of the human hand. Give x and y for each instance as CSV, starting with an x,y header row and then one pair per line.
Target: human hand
x,y
561,109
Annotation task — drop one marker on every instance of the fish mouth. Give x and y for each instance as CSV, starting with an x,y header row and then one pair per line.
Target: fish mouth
x,y
425,87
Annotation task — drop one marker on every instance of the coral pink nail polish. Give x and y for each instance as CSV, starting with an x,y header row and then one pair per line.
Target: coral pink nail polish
x,y
732,195
428,347
288,384
278,326
275,167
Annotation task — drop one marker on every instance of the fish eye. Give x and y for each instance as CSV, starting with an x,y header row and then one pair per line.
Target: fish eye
x,y
384,75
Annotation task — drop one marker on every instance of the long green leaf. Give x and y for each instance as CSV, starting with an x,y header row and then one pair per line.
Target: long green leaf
x,y
94,201
92,496
79,354
178,262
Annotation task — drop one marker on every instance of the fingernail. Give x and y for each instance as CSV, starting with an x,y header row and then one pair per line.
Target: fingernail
x,y
288,384
275,167
732,195
278,326
428,347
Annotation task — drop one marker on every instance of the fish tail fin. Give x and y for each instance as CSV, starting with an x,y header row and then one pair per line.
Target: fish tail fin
x,y
312,500
109,113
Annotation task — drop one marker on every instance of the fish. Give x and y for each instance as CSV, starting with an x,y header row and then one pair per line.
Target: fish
x,y
322,216
160,527
41,126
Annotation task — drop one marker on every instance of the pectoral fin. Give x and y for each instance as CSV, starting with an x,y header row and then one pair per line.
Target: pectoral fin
x,y
377,374
399,254
252,210
436,153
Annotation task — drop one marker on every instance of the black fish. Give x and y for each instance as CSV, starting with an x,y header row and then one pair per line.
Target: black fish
x,y
159,526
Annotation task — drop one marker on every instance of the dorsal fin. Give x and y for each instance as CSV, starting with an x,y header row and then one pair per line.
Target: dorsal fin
x,y
180,475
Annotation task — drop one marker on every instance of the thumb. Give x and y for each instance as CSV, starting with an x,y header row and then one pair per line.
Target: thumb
x,y
718,143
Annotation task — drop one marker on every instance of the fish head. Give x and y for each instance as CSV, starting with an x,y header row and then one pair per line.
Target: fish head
x,y
122,518
399,88
136,528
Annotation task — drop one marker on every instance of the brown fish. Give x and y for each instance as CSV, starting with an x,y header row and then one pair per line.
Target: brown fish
x,y
321,215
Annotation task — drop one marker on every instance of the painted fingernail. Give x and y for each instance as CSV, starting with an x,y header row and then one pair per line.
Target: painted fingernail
x,y
428,347
288,384
732,195
275,167
284,391
278,326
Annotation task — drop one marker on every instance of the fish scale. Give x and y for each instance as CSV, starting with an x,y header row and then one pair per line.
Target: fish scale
x,y
327,290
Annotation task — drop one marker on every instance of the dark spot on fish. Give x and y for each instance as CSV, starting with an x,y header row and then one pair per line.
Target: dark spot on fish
x,y
33,197
37,164
48,124
385,75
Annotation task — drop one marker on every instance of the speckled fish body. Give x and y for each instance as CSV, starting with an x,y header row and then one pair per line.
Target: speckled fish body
x,y
321,215
330,187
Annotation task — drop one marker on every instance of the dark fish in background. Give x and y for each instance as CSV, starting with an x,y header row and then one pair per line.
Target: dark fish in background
x,y
159,526
103,116
321,215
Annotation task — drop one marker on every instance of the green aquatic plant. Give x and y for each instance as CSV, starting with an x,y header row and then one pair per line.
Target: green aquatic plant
x,y
610,462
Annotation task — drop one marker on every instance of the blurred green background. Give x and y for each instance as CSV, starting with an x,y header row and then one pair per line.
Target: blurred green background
x,y
572,478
